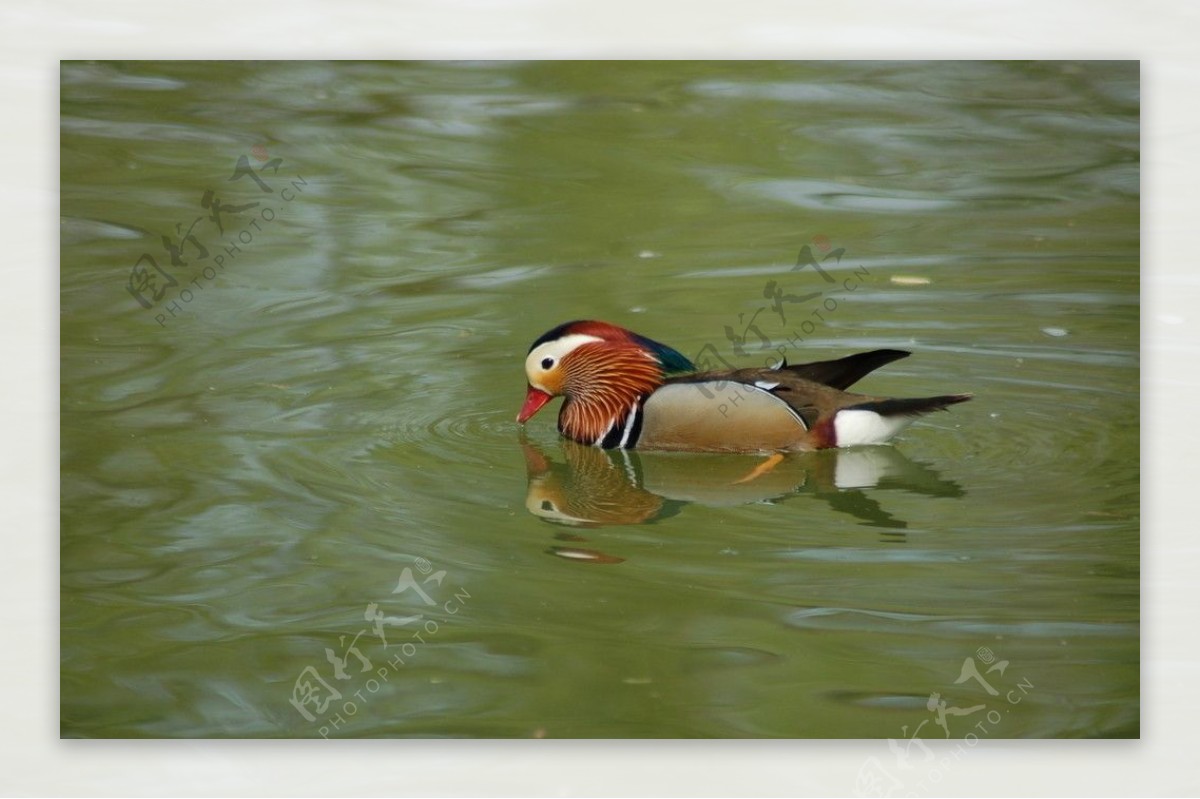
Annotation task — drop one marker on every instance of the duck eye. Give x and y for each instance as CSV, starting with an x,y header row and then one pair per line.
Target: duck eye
x,y
547,363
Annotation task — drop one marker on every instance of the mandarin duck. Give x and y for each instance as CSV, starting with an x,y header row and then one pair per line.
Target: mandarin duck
x,y
623,390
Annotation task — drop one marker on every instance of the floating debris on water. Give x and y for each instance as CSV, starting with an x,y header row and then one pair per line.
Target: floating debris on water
x,y
910,280
1057,332
585,555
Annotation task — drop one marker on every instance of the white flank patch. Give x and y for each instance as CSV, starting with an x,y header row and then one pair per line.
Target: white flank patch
x,y
765,386
855,428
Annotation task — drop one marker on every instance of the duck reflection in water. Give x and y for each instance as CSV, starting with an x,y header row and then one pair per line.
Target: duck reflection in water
x,y
592,487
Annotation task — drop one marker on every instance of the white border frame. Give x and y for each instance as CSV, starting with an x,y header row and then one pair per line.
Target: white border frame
x,y
34,38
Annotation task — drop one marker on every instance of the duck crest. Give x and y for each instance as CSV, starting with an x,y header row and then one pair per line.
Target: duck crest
x,y
608,382
672,360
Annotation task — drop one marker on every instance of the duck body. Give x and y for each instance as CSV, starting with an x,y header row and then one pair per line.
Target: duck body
x,y
623,390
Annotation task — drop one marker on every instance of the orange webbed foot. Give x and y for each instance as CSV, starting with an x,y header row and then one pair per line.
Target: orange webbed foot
x,y
758,471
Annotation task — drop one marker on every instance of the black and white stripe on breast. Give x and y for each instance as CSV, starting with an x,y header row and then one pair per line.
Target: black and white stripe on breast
x,y
624,434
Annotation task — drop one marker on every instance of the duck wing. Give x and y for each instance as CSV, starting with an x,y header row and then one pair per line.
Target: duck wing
x,y
845,372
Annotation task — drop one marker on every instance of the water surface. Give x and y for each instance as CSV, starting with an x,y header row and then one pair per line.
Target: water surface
x,y
289,461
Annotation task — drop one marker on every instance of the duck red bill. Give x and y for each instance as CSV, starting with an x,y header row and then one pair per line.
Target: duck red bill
x,y
534,401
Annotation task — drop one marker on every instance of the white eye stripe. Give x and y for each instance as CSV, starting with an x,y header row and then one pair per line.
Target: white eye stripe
x,y
554,350
561,346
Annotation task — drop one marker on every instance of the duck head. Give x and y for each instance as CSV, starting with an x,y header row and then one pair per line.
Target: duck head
x,y
603,371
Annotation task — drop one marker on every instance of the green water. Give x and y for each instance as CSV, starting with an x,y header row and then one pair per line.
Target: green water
x,y
305,446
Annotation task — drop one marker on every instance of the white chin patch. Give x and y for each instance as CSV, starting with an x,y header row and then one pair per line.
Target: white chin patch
x,y
858,428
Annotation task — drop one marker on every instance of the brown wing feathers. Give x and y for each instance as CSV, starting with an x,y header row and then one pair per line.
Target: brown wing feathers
x,y
845,372
911,407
